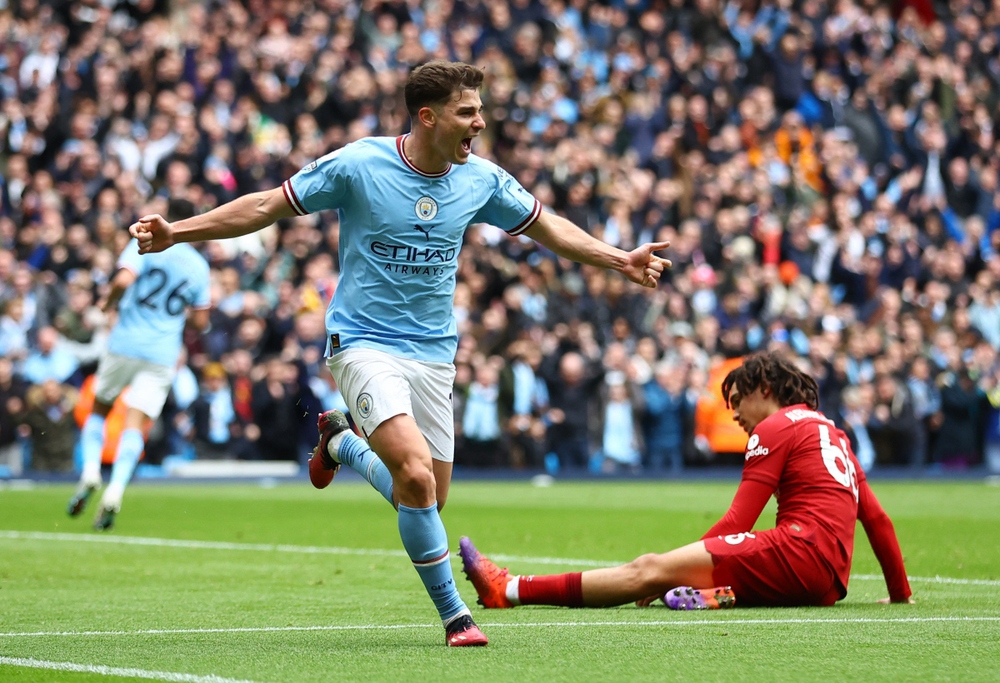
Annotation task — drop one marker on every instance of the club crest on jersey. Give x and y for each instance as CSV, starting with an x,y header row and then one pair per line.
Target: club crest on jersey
x,y
754,447
365,405
426,208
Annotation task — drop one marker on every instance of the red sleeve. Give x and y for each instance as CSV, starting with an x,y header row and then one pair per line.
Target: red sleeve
x,y
750,499
882,537
763,463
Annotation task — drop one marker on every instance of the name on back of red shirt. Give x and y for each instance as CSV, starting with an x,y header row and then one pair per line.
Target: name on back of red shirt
x,y
801,414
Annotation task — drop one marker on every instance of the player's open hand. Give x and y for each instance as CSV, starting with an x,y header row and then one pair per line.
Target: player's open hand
x,y
153,232
646,602
644,267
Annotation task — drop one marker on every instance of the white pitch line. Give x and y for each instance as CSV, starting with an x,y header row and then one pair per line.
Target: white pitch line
x,y
116,671
199,545
930,579
721,621
332,550
264,547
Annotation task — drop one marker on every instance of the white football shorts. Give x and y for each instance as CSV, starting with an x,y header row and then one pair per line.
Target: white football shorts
x,y
377,386
149,382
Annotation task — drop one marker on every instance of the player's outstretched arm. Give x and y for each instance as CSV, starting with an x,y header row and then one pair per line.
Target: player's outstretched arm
x,y
882,536
122,280
241,216
568,240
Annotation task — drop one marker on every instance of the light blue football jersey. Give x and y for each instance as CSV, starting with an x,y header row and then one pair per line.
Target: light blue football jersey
x,y
152,312
400,233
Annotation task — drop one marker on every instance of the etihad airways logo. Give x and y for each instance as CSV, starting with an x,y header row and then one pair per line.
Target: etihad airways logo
x,y
754,447
407,260
408,254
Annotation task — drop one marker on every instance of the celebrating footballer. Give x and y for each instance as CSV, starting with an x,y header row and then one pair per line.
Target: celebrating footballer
x,y
404,206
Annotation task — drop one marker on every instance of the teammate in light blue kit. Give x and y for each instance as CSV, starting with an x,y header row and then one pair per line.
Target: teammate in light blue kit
x,y
155,293
404,205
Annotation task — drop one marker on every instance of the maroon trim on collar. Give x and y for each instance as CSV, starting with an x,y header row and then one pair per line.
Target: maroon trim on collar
x,y
399,148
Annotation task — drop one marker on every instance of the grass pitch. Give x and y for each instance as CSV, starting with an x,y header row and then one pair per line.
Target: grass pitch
x,y
214,584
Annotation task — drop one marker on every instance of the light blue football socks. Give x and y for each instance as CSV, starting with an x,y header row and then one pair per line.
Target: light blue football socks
x,y
353,451
426,542
423,534
130,446
91,445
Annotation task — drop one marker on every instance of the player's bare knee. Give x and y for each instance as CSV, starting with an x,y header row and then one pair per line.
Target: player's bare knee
x,y
415,477
644,571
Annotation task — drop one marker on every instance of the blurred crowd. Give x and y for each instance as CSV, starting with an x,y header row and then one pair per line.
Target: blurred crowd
x,y
827,174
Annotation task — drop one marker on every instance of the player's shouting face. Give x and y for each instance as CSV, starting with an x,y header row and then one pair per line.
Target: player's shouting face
x,y
454,125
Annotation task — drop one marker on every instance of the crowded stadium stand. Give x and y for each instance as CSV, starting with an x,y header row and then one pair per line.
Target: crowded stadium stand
x,y
826,173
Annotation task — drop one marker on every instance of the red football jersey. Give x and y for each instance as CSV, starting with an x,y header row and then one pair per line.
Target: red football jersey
x,y
809,462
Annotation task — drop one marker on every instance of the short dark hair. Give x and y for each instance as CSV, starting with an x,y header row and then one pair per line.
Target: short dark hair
x,y
434,83
179,209
769,369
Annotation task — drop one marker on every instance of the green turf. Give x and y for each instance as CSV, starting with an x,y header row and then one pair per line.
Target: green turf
x,y
64,587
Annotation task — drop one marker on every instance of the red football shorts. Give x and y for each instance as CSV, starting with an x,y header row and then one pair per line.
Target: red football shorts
x,y
775,567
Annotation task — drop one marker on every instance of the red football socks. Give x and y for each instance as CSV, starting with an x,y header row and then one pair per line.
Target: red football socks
x,y
562,590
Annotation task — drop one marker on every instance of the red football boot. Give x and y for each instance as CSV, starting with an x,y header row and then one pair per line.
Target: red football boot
x,y
323,468
489,580
463,632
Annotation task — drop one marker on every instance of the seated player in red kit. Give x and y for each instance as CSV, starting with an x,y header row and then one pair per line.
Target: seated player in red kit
x,y
795,453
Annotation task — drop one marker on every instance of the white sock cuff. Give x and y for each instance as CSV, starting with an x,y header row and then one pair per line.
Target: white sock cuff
x,y
112,497
514,590
465,612
91,476
334,444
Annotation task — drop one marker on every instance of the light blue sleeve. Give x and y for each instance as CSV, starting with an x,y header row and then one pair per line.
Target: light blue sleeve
x,y
130,257
201,294
323,184
511,207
